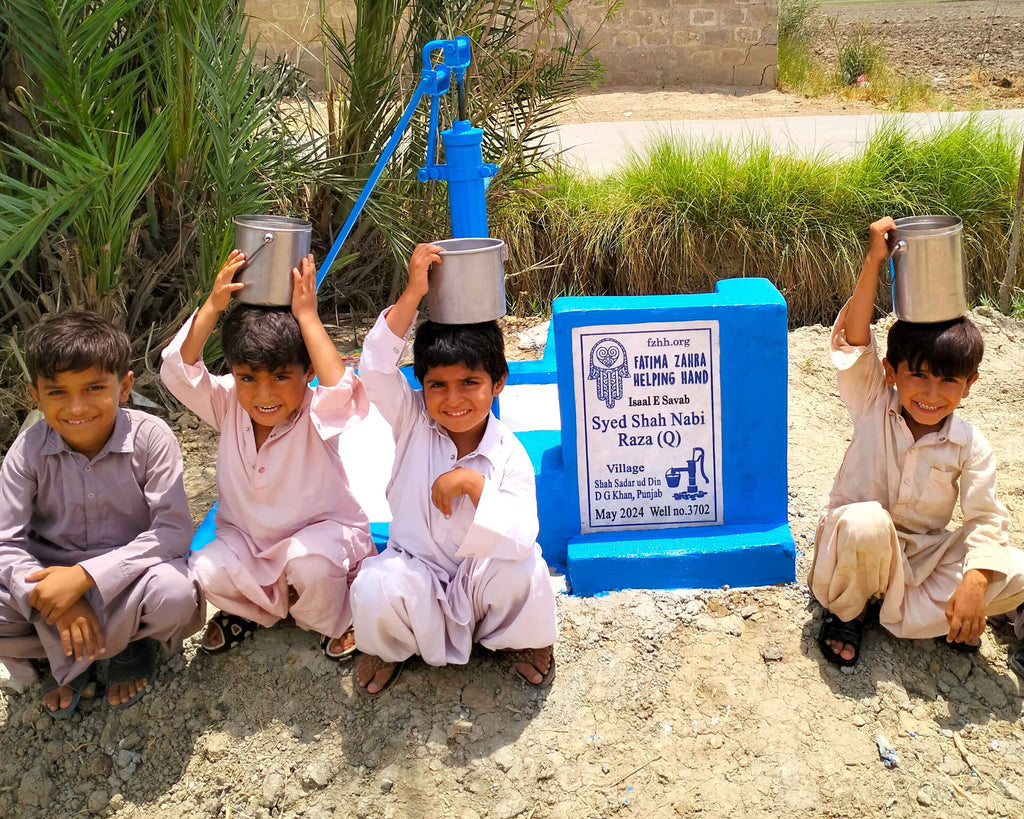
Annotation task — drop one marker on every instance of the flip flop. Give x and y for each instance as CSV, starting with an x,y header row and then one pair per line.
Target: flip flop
x,y
844,631
337,657
525,655
1016,662
377,664
234,628
78,688
136,662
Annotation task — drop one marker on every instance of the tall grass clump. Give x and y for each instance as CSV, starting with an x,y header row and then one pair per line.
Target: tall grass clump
x,y
680,216
798,26
857,53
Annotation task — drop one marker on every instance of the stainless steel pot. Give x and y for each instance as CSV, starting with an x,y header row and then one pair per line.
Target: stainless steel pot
x,y
272,245
927,269
469,284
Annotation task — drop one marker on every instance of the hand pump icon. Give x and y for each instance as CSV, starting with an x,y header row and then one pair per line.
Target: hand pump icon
x,y
673,475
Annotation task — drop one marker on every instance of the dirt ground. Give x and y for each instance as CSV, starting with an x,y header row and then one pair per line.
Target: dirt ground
x,y
971,52
712,703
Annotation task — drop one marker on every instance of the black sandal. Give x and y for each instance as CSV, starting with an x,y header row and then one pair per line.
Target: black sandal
x,y
333,656
234,629
1016,662
962,648
843,631
81,686
136,662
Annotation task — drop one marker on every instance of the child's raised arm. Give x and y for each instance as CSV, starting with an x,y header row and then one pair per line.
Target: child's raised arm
x,y
401,315
323,355
861,306
216,303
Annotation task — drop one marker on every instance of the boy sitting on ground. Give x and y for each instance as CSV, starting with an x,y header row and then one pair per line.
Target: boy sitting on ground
x,y
883,535
94,524
462,563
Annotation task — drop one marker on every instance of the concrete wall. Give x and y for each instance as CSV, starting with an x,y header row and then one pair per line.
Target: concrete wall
x,y
648,43
662,43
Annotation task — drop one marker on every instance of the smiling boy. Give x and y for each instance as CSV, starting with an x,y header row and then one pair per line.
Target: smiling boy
x,y
462,564
94,524
911,459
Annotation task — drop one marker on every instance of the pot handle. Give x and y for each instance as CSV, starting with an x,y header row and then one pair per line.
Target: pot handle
x,y
268,237
897,249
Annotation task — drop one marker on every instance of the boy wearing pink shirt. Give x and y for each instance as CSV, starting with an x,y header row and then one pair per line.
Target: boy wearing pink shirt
x,y
289,533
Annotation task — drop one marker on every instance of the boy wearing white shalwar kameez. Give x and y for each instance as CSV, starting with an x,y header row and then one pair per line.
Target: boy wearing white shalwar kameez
x,y
290,533
462,563
883,535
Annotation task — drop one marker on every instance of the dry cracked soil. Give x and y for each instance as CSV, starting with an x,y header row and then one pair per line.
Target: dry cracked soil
x,y
713,703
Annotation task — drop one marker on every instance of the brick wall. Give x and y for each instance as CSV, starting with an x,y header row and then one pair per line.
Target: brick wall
x,y
649,43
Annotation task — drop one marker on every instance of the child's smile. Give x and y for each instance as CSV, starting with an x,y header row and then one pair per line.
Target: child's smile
x,y
270,396
82,406
459,399
926,400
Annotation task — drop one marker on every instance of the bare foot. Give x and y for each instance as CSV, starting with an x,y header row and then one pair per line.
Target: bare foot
x,y
844,650
847,651
58,698
122,692
534,670
372,673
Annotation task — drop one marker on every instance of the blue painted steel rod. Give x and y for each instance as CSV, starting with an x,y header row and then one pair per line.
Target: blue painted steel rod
x,y
433,81
378,169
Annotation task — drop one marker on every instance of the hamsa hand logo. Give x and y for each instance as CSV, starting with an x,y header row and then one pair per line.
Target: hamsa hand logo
x,y
608,367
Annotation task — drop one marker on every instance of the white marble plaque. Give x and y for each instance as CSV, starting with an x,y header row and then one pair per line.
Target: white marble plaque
x,y
648,425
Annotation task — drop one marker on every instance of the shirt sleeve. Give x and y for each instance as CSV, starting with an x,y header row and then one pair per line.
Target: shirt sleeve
x,y
505,525
207,395
335,409
18,486
170,530
386,385
858,369
986,520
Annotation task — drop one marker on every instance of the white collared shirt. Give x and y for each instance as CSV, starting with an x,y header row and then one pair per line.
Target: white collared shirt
x,y
503,526
917,482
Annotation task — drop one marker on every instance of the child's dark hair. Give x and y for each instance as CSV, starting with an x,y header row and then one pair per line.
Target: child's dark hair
x,y
950,349
264,338
476,346
74,341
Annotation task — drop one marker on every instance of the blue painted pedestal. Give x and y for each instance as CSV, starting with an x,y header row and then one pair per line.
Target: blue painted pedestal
x,y
750,544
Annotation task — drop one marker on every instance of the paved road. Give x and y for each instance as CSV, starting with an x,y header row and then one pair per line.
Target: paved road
x,y
600,146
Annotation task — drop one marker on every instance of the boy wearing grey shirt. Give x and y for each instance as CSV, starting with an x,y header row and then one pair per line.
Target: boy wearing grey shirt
x,y
94,524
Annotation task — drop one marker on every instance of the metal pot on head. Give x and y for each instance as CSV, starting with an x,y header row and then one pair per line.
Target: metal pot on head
x,y
468,286
927,269
272,245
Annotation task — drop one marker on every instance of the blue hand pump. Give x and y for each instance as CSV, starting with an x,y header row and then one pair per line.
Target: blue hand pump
x,y
466,174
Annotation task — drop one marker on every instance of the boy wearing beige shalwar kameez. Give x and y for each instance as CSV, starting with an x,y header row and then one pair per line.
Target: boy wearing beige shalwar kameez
x,y
884,533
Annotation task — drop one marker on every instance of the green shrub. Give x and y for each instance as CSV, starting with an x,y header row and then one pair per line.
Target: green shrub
x,y
859,54
795,19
